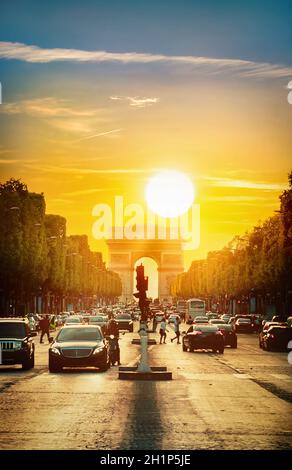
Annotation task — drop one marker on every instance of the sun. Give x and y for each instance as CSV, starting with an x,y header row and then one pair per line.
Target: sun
x,y
169,193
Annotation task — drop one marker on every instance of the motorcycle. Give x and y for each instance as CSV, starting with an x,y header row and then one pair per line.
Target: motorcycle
x,y
114,350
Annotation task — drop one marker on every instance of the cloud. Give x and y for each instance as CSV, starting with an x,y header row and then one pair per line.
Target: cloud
x,y
136,101
245,184
245,68
90,171
48,107
83,192
100,134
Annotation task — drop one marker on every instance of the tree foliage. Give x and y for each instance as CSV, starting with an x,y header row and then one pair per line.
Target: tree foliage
x,y
260,260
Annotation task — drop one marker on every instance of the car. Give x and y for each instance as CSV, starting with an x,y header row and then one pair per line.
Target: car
x,y
230,336
124,322
16,344
34,320
279,318
79,346
100,320
32,323
200,319
217,321
277,338
72,320
266,327
243,325
225,317
212,315
203,337
159,316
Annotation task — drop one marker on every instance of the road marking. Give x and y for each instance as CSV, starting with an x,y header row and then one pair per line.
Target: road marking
x,y
282,376
242,376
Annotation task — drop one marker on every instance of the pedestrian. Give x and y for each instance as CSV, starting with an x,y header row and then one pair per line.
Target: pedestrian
x,y
45,328
154,323
176,330
163,330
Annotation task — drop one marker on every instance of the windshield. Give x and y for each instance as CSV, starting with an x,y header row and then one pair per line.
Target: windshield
x,y
195,304
79,334
125,317
205,328
96,319
12,330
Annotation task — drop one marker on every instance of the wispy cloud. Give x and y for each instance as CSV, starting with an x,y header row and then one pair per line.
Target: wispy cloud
x,y
246,68
236,183
84,192
136,101
45,107
100,134
90,171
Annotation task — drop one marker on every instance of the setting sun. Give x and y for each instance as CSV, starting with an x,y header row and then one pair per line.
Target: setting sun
x,y
169,193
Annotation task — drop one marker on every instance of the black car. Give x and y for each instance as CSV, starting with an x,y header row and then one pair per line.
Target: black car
x,y
99,320
16,344
243,325
230,337
277,338
203,337
124,322
79,346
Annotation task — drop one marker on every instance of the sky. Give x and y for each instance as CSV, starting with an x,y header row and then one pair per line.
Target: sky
x,y
100,95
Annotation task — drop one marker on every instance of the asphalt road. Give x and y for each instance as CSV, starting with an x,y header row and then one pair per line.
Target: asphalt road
x,y
239,400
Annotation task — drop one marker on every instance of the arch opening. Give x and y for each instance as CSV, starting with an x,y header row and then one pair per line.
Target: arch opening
x,y
150,270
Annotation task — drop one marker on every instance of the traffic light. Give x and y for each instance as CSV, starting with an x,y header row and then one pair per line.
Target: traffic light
x,y
141,280
142,287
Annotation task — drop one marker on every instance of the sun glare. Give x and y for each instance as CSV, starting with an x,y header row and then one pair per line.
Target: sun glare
x,y
169,193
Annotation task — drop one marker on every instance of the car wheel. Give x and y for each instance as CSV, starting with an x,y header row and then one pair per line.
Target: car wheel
x,y
221,350
27,364
234,344
184,348
131,330
214,350
54,368
32,361
104,366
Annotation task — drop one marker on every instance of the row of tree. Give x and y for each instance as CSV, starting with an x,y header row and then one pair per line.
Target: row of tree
x,y
39,264
256,265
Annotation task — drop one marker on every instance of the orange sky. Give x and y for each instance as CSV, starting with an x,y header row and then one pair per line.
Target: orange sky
x,y
83,146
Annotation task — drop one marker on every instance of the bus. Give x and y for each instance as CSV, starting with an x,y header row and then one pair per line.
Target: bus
x,y
181,307
195,308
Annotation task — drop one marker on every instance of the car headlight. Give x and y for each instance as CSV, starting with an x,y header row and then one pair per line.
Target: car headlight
x,y
18,345
55,351
98,350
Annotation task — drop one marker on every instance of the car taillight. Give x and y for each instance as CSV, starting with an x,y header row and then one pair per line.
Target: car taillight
x,y
198,332
219,333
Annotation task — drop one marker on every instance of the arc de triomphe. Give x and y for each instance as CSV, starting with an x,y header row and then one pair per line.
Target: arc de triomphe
x,y
123,254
